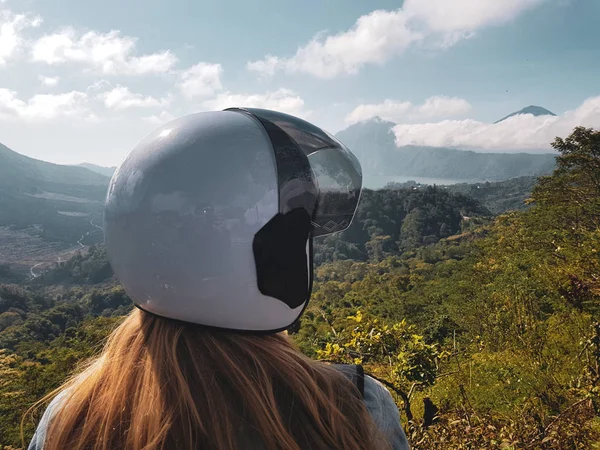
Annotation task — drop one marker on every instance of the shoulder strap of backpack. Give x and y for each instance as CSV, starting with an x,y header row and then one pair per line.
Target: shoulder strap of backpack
x,y
355,373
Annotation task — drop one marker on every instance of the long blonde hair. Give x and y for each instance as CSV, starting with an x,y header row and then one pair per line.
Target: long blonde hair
x,y
161,384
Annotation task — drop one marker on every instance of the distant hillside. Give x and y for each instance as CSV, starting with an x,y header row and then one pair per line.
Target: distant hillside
x,y
533,110
393,221
498,197
106,171
24,175
373,143
46,208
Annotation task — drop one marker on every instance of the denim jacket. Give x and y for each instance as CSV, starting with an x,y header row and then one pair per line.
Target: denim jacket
x,y
377,398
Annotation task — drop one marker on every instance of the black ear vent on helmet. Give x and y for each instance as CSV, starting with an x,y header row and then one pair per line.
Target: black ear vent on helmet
x,y
282,265
280,255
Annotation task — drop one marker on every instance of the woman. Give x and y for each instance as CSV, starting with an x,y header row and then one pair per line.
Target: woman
x,y
203,363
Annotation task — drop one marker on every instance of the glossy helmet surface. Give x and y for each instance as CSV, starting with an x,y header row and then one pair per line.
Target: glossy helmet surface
x,y
210,218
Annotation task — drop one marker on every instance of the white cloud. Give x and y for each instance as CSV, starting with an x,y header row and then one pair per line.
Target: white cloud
x,y
11,26
99,85
49,81
160,62
160,119
391,110
200,80
44,106
518,133
441,106
397,111
465,15
378,36
122,98
111,53
283,100
373,39
266,66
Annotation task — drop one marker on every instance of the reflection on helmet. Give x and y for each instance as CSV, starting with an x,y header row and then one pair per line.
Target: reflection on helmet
x,y
209,219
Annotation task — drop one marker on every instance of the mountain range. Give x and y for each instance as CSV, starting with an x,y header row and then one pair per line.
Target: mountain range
x,y
373,143
20,173
48,211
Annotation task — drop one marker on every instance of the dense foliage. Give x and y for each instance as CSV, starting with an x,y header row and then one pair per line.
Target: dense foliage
x,y
91,267
500,196
391,221
507,344
7,275
487,331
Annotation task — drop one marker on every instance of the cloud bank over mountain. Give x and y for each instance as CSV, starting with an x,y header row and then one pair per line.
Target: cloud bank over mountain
x,y
517,133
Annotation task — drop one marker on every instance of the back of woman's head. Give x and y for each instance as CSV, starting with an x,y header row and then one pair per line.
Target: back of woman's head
x,y
245,191
162,384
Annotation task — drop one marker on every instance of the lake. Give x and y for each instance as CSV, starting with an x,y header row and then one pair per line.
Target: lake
x,y
379,181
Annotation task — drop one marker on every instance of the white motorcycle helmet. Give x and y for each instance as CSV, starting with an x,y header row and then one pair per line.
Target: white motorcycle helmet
x,y
210,218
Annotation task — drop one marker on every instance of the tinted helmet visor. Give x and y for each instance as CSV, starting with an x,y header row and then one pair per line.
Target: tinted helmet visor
x,y
329,186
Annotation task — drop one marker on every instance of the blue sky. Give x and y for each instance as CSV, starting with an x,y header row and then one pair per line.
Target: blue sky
x,y
84,81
